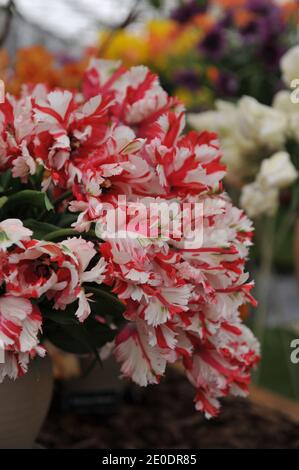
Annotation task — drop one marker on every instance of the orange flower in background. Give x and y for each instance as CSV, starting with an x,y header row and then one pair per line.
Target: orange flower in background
x,y
32,65
4,60
213,73
36,64
165,39
291,10
70,75
160,40
230,3
162,34
168,39
242,17
204,21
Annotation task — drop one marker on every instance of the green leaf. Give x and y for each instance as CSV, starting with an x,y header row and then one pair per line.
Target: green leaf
x,y
295,196
105,303
36,199
68,334
40,229
3,201
66,337
48,203
65,220
62,317
65,331
61,234
5,180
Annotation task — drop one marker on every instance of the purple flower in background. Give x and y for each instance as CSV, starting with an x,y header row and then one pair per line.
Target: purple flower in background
x,y
227,20
188,78
263,27
271,53
213,44
227,84
251,31
187,10
273,24
261,7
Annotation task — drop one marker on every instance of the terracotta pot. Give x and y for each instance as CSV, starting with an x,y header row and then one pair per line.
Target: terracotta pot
x,y
24,404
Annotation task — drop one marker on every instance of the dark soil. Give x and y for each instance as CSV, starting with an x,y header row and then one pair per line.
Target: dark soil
x,y
164,417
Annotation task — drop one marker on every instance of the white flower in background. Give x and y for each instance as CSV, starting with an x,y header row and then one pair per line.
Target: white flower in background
x,y
256,200
289,65
262,196
247,131
249,124
234,159
222,120
277,171
282,102
260,124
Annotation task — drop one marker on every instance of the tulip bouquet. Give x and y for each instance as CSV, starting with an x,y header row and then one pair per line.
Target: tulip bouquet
x,y
70,159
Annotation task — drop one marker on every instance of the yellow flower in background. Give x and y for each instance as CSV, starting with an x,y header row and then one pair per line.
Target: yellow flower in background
x,y
160,41
185,40
202,98
169,39
131,48
185,95
163,45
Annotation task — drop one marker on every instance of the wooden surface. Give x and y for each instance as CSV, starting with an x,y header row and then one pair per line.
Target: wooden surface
x,y
271,400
